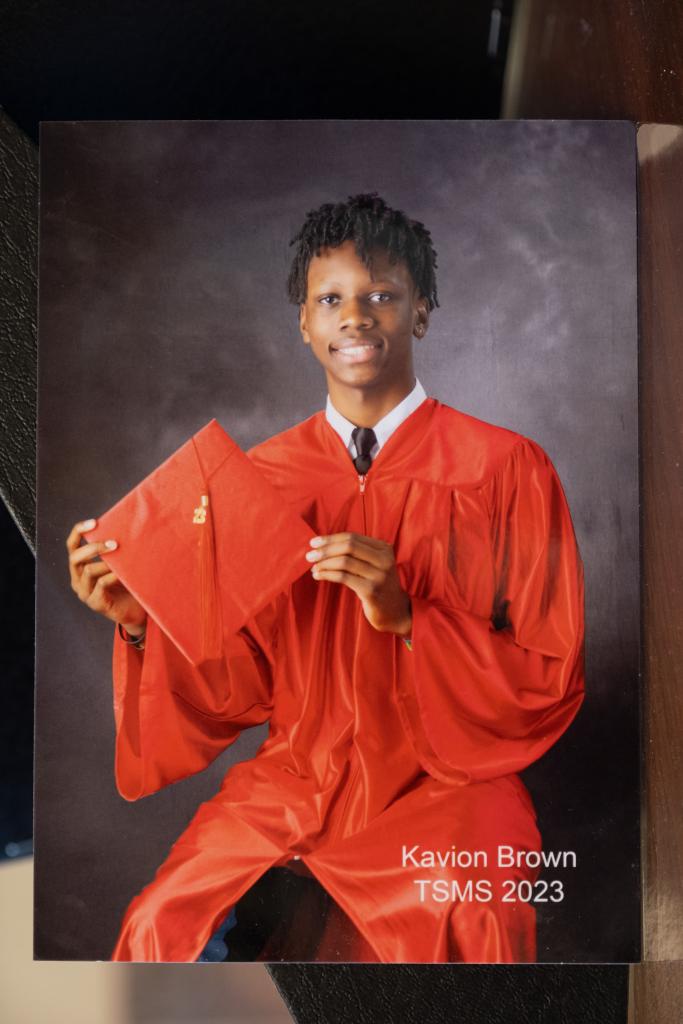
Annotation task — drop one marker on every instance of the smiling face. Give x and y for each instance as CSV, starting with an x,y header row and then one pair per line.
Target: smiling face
x,y
360,325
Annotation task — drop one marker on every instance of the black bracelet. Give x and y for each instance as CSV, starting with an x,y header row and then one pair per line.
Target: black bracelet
x,y
138,642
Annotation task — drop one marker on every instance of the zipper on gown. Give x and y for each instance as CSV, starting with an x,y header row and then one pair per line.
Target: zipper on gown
x,y
362,480
353,765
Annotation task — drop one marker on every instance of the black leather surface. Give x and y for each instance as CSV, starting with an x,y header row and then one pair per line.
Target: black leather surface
x,y
384,994
313,993
18,295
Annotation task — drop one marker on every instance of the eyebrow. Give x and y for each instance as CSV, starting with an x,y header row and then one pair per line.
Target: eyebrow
x,y
382,282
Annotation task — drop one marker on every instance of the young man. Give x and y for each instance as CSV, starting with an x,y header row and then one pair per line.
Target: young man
x,y
432,651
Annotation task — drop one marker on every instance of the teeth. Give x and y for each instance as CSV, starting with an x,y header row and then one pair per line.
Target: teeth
x,y
355,350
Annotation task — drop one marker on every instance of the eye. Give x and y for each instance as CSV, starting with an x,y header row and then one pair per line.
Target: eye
x,y
381,297
327,300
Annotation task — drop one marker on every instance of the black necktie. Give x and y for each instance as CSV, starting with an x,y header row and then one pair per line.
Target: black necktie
x,y
364,440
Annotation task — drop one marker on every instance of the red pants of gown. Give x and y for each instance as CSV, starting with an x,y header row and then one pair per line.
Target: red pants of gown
x,y
220,856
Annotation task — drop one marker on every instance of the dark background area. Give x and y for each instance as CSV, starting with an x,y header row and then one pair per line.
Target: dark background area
x,y
16,672
251,59
164,249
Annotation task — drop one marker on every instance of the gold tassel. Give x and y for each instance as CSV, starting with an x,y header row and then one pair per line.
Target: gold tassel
x,y
209,601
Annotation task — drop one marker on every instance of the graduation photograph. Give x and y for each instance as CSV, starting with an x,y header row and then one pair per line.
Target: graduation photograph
x,y
338,543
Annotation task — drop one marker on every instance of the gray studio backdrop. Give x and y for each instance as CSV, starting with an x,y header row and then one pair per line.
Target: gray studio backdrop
x,y
164,254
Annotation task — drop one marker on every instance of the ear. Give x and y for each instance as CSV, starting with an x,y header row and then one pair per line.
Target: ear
x,y
421,313
302,324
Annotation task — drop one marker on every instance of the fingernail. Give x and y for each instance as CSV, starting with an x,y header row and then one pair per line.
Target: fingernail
x,y
110,545
317,542
314,572
89,524
313,556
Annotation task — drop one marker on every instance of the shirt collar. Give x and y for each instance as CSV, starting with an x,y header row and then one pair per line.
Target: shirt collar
x,y
384,428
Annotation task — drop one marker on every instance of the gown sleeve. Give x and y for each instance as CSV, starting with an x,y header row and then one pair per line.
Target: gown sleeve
x,y
173,718
484,697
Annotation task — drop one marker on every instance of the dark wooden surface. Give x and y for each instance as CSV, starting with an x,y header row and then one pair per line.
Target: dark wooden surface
x,y
660,150
656,994
596,59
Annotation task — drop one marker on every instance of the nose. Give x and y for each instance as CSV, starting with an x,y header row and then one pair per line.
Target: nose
x,y
356,314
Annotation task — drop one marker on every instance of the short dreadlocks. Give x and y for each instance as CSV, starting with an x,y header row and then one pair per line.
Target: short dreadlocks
x,y
366,220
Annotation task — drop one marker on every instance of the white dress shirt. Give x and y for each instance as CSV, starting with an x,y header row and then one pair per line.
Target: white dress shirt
x,y
386,426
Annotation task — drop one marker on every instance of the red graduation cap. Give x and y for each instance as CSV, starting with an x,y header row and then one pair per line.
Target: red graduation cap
x,y
204,542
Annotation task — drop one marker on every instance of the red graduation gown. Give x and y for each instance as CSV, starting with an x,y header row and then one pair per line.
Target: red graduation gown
x,y
376,754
